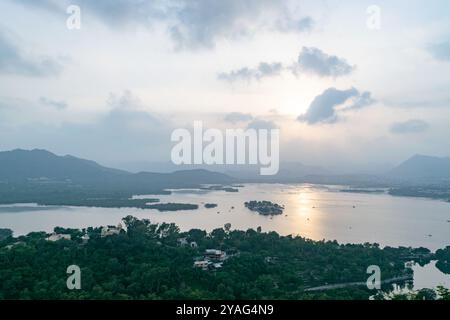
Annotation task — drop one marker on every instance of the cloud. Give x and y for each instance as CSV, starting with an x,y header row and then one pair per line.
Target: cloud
x,y
126,100
363,100
324,108
263,70
202,22
50,5
305,24
120,13
117,13
123,133
235,117
14,61
410,126
441,51
259,124
191,24
313,60
53,103
310,60
126,112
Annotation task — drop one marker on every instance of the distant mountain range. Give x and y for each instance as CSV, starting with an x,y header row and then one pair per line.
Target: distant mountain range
x,y
423,168
20,164
288,171
41,166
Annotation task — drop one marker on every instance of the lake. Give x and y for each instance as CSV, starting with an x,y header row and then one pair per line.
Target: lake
x,y
312,211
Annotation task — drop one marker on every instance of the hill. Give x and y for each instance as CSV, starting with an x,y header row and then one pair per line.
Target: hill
x,y
420,167
23,171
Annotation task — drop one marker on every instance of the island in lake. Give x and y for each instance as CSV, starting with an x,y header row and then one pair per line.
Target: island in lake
x,y
265,208
220,188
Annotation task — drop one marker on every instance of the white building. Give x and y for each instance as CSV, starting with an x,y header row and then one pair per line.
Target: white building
x,y
9,247
202,264
85,238
182,242
215,254
56,237
111,230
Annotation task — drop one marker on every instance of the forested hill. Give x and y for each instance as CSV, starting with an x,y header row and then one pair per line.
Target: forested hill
x,y
147,261
20,165
41,170
420,167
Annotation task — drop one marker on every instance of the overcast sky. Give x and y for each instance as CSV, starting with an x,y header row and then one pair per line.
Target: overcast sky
x,y
345,94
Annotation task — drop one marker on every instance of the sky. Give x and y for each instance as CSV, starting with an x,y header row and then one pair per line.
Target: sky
x,y
352,85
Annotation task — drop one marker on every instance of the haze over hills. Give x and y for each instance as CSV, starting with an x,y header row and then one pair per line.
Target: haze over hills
x,y
288,171
35,164
22,166
423,167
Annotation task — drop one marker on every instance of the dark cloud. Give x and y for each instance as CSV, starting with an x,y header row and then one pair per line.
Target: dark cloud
x,y
123,133
363,100
14,61
203,22
324,108
50,5
264,70
235,117
441,51
114,13
310,60
305,24
119,13
410,126
190,23
53,103
259,124
315,61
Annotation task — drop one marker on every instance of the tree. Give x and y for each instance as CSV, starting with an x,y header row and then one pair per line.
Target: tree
x,y
426,294
443,293
5,233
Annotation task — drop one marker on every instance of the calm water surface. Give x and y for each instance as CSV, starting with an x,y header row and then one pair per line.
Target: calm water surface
x,y
316,212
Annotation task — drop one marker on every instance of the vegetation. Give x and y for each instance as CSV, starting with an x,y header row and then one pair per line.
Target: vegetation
x,y
105,203
70,195
265,208
5,233
173,206
146,262
64,195
41,177
374,191
443,257
220,188
440,293
439,192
